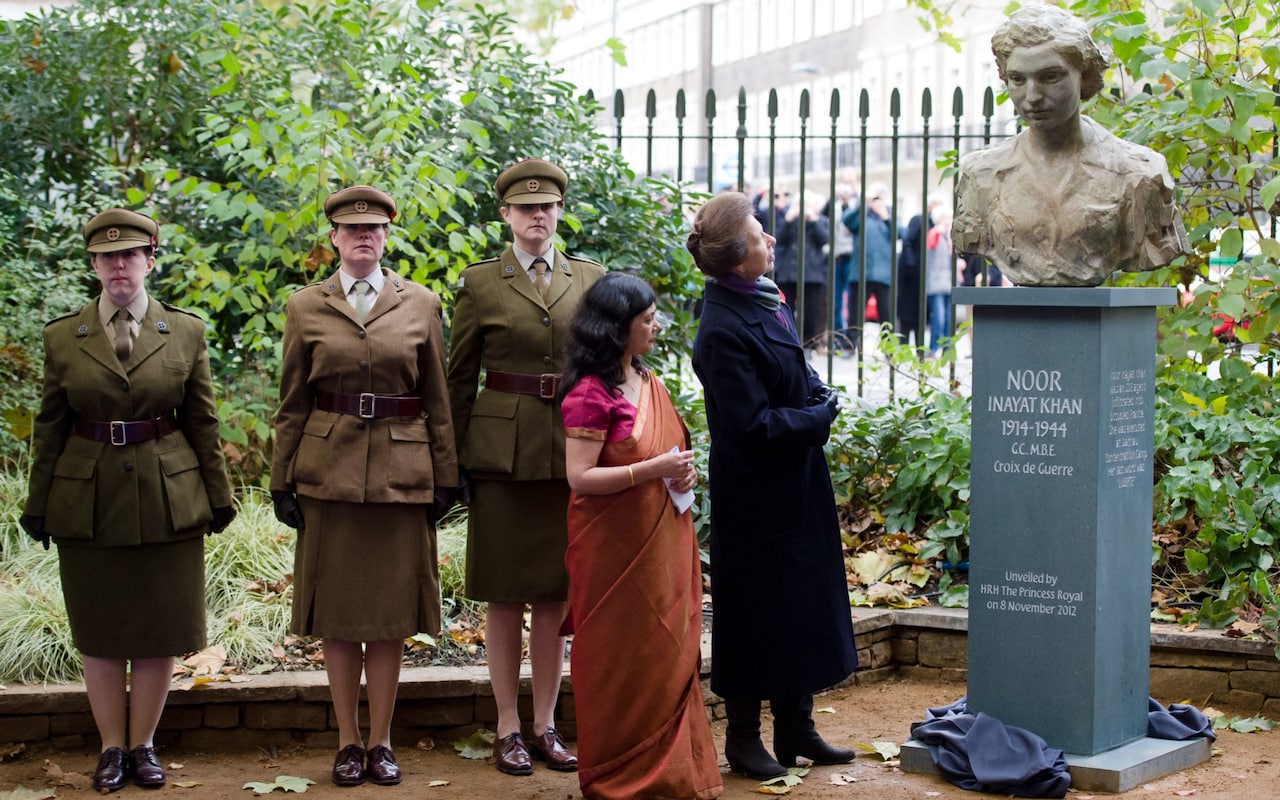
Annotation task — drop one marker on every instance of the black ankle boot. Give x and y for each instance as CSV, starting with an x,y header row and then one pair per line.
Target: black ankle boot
x,y
794,735
742,746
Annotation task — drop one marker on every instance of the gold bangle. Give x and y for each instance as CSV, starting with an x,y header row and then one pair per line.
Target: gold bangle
x,y
631,473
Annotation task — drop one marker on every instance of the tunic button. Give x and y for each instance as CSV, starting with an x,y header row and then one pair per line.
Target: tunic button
x,y
128,466
124,386
360,334
546,321
361,425
546,359
364,365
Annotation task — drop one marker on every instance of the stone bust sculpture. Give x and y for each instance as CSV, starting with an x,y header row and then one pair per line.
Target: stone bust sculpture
x,y
1064,202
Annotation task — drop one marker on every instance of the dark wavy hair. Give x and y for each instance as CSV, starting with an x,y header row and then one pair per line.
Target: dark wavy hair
x,y
601,328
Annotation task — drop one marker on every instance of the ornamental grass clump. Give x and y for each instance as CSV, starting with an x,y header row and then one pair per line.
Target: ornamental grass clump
x,y
248,593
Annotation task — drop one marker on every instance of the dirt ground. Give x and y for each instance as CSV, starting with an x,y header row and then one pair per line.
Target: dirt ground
x,y
1244,765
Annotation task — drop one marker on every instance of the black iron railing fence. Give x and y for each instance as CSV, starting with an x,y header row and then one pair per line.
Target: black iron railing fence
x,y
811,157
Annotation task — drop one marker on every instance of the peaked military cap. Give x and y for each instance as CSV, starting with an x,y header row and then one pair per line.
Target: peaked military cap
x,y
360,204
532,181
120,229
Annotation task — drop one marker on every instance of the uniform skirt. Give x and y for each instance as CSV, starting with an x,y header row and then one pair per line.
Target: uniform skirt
x,y
365,572
135,602
516,538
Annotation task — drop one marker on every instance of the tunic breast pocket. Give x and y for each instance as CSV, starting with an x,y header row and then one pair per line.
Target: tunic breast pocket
x,y
69,509
409,455
311,462
490,444
184,489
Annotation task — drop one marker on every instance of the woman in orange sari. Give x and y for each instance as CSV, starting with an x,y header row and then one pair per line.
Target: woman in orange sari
x,y
635,583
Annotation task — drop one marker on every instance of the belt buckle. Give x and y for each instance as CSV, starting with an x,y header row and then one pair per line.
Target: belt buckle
x,y
545,380
371,406
115,427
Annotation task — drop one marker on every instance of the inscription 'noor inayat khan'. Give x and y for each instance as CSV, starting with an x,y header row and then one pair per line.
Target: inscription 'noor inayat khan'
x,y
1063,203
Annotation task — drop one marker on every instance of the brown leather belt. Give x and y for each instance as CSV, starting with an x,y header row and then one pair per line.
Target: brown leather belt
x,y
122,432
370,406
544,385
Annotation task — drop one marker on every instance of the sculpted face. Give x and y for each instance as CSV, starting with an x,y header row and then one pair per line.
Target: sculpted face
x,y
1043,85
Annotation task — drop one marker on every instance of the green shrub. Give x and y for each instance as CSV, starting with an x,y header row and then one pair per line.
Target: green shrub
x,y
248,590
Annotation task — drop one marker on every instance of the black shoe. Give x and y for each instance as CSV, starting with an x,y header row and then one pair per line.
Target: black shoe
x,y
742,746
794,735
381,767
113,769
751,759
348,766
147,771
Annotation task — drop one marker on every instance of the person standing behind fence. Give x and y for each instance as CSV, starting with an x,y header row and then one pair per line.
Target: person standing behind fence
x,y
878,243
939,278
773,511
792,256
842,247
909,284
510,321
363,467
127,476
635,584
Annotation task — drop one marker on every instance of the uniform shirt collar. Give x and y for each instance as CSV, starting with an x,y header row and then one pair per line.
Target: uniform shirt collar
x,y
137,308
526,259
376,280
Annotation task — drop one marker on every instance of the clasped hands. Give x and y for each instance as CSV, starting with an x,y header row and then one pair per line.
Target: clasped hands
x,y
829,397
679,468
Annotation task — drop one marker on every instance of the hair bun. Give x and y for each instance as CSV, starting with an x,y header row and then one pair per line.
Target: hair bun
x,y
694,241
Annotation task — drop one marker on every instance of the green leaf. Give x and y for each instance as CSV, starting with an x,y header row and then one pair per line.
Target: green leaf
x,y
1197,562
479,745
1270,190
286,783
1251,724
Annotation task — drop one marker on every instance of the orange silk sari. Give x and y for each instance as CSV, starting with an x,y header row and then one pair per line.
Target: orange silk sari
x,y
635,590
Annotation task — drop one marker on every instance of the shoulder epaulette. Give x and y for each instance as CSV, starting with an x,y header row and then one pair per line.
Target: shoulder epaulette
x,y
67,315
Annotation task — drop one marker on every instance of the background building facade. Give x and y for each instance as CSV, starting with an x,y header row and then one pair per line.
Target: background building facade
x,y
789,46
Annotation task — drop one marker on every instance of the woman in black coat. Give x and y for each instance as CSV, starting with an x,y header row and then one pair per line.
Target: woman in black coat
x,y
776,560
787,267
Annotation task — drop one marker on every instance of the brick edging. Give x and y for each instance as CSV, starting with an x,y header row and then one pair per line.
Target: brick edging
x,y
292,708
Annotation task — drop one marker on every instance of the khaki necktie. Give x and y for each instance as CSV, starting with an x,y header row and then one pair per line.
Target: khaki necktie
x,y
364,301
543,279
122,335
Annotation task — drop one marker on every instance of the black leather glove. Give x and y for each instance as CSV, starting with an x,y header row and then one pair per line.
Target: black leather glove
x,y
443,499
832,402
821,396
287,510
34,526
222,516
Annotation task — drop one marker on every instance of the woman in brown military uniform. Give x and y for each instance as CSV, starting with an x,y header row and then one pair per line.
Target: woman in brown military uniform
x,y
362,467
127,478
511,319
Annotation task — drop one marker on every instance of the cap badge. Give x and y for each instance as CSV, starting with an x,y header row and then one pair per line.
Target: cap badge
x,y
113,234
362,206
532,186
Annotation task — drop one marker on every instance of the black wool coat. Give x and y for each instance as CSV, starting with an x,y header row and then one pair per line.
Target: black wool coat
x,y
781,617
